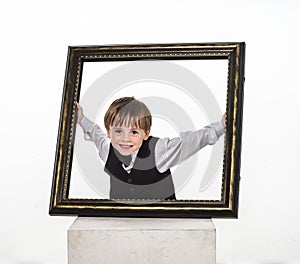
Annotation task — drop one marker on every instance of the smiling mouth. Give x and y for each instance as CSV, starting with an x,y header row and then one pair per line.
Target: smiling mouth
x,y
125,146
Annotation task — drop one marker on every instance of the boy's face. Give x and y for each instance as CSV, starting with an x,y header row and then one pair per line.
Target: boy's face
x,y
127,139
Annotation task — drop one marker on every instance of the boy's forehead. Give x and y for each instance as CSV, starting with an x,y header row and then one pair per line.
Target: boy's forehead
x,y
124,126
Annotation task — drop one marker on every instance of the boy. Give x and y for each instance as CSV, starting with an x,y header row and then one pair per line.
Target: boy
x,y
137,163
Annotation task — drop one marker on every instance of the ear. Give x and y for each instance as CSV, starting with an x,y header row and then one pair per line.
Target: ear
x,y
108,133
147,134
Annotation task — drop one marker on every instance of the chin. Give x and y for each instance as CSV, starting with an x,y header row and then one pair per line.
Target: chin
x,y
124,152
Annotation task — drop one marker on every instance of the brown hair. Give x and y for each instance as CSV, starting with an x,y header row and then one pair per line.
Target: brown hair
x,y
128,111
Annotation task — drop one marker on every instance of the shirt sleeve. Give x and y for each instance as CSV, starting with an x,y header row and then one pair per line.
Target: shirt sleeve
x,y
171,152
94,133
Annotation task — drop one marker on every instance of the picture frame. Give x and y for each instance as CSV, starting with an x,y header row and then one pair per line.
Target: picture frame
x,y
97,74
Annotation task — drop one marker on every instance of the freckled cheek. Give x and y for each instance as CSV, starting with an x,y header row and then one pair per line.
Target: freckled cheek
x,y
139,142
115,141
116,138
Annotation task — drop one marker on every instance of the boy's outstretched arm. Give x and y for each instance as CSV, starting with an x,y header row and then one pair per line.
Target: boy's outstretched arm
x,y
93,132
171,152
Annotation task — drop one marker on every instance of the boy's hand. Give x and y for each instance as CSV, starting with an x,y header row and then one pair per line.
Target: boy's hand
x,y
79,113
224,119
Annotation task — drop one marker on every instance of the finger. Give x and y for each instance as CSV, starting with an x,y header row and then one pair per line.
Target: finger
x,y
78,106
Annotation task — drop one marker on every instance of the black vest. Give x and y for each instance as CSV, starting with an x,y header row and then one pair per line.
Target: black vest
x,y
144,181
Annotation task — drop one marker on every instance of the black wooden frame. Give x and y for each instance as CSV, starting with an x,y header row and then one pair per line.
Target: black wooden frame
x,y
61,204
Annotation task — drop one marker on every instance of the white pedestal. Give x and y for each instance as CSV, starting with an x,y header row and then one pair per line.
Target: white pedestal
x,y
146,240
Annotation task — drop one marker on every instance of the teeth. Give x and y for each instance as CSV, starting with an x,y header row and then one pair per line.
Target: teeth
x,y
126,146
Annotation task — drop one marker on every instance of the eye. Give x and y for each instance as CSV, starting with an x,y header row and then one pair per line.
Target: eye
x,y
135,132
117,131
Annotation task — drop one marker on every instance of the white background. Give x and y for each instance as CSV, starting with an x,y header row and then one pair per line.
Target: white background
x,y
34,40
90,180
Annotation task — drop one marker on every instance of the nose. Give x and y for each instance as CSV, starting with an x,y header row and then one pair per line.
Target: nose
x,y
126,136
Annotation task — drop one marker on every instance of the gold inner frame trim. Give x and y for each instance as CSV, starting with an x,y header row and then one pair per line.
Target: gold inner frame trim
x,y
213,54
